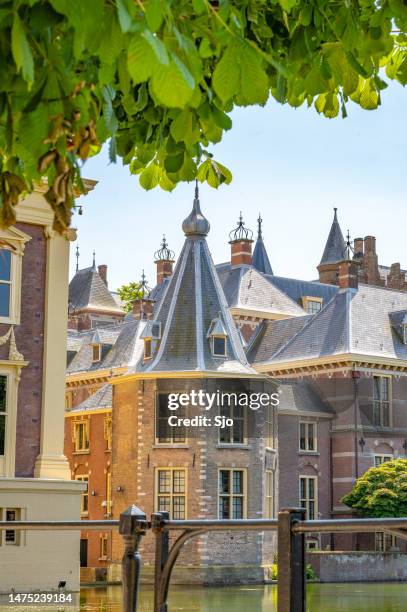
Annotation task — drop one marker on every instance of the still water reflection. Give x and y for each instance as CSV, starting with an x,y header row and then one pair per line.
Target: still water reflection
x,y
258,598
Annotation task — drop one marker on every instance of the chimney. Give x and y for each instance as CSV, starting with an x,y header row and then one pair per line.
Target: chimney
x,y
358,247
102,270
396,278
164,259
241,244
142,308
348,274
370,262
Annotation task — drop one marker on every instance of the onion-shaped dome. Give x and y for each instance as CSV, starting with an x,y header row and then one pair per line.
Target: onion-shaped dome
x,y
196,224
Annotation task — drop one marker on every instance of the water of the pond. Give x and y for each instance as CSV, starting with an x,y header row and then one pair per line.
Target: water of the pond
x,y
356,597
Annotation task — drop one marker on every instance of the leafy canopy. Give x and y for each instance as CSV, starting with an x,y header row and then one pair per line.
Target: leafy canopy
x,y
158,79
128,293
381,491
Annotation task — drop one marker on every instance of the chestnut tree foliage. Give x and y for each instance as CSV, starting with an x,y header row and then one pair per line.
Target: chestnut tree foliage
x,y
381,491
158,79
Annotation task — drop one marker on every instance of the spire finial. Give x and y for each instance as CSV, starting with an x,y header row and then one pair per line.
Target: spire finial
x,y
77,257
143,288
94,260
348,249
196,224
259,223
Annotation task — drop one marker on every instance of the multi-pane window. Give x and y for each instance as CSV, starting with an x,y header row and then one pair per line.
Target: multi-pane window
x,y
10,537
108,432
164,432
381,400
269,495
308,496
96,352
308,439
171,492
3,413
384,541
232,493
85,493
269,429
5,282
313,306
81,435
234,434
379,459
103,547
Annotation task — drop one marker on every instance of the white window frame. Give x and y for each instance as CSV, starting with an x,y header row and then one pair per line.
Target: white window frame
x,y
381,539
172,430
172,494
314,424
225,353
383,459
231,414
307,498
381,402
231,495
14,240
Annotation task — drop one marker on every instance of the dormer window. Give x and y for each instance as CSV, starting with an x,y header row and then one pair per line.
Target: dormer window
x,y
311,305
219,346
147,348
217,336
96,352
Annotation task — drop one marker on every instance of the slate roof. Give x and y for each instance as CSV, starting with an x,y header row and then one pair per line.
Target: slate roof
x,y
192,298
102,398
88,291
335,247
296,289
354,321
301,396
273,335
245,287
125,350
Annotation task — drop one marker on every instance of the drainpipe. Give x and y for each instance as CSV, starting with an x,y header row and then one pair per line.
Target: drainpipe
x,y
355,378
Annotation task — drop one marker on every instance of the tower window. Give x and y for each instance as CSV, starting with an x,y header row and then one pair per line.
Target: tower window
x,y
219,346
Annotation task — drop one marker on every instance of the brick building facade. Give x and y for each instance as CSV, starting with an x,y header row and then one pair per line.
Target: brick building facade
x,y
334,349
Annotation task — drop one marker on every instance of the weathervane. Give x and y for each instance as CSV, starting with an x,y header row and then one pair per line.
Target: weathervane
x,y
77,258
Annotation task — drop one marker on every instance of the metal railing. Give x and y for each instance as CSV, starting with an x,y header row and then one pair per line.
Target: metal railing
x,y
291,527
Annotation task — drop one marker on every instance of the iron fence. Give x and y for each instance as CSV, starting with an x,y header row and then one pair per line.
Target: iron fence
x,y
291,528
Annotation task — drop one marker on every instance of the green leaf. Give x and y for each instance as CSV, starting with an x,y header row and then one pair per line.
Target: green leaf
x,y
21,50
254,80
125,18
287,5
140,59
226,76
154,14
172,85
157,46
150,177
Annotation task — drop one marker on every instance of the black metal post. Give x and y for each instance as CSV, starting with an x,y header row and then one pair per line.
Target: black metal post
x,y
132,527
161,556
291,586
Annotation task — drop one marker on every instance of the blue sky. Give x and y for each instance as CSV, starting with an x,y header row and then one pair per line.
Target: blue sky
x,y
291,165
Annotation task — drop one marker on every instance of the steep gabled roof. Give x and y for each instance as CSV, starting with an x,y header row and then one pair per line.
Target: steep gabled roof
x,y
88,291
335,247
296,289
